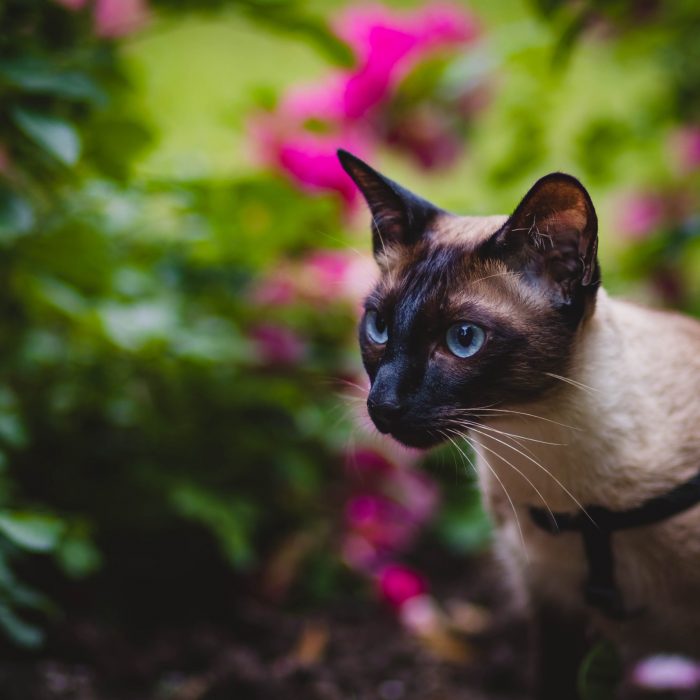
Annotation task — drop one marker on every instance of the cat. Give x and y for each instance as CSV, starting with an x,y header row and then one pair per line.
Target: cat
x,y
577,404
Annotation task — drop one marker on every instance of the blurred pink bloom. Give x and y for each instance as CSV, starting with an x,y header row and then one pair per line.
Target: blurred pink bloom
x,y
116,18
381,522
329,268
315,104
415,491
361,275
277,345
312,161
685,142
301,136
339,274
667,672
640,215
363,462
323,277
379,72
399,584
420,614
427,133
310,158
277,289
388,44
358,553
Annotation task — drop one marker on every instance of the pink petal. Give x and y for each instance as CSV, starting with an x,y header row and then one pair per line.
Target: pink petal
x,y
399,584
377,75
415,491
443,24
328,268
274,290
323,101
358,553
314,165
387,45
363,462
277,345
115,18
685,143
420,614
640,215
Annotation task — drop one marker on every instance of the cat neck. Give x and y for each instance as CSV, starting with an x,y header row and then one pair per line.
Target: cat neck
x,y
611,434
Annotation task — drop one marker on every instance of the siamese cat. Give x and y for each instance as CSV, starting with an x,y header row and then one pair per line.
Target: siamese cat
x,y
583,410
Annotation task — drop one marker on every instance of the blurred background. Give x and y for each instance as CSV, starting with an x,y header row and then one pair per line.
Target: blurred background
x,y
193,504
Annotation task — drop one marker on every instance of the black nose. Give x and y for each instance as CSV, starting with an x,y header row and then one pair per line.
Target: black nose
x,y
385,414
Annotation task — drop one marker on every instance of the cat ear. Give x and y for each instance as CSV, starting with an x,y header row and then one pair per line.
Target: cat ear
x,y
398,216
552,237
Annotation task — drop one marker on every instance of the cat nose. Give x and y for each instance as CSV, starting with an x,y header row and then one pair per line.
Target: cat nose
x,y
384,413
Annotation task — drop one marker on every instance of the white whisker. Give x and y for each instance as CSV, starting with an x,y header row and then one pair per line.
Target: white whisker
x,y
573,382
495,475
545,470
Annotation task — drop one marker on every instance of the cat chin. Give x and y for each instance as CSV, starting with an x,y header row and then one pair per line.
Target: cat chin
x,y
419,440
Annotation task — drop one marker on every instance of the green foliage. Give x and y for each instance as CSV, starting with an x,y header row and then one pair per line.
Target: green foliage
x,y
601,673
135,400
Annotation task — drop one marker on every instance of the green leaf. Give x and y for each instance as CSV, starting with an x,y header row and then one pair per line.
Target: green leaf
x,y
231,520
35,76
36,533
19,631
600,673
16,215
12,430
54,135
77,556
464,528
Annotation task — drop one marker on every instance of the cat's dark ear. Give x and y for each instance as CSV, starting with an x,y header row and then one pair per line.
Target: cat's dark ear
x,y
398,216
552,237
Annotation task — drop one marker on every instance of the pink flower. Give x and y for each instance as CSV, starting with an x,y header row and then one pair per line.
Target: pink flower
x,y
640,215
420,615
307,157
685,142
358,553
667,672
379,72
364,462
315,104
444,24
276,289
398,584
429,134
388,45
328,267
277,345
313,163
301,136
381,522
339,275
116,18
415,491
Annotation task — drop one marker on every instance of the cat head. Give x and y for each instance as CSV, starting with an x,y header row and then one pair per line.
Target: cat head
x,y
471,313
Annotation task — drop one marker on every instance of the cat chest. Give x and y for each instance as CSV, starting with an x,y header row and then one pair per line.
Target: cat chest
x,y
656,569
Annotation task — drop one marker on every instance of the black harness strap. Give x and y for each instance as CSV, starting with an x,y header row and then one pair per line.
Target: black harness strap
x,y
596,529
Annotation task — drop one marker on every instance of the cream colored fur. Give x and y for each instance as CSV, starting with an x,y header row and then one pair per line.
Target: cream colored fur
x,y
626,428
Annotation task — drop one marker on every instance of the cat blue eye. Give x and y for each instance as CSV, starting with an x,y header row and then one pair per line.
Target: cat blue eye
x,y
465,339
377,330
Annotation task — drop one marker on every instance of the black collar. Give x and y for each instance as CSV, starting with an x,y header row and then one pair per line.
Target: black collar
x,y
596,528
